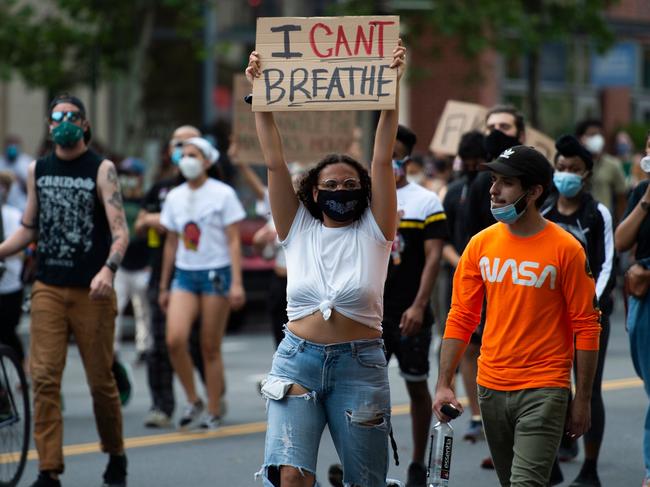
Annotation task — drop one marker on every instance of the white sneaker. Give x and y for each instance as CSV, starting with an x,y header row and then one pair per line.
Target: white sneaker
x,y
191,414
210,422
157,419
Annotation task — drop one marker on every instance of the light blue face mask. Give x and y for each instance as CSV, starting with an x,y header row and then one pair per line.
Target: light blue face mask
x,y
510,213
567,183
177,155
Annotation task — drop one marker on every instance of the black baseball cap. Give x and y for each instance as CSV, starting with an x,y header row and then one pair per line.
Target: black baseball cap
x,y
525,163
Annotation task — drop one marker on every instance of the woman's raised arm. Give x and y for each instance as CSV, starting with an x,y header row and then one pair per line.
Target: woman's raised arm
x,y
284,202
384,194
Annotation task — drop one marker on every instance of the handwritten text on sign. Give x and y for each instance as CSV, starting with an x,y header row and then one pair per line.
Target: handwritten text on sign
x,y
326,63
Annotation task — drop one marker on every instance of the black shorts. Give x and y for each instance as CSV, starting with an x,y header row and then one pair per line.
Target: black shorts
x,y
412,352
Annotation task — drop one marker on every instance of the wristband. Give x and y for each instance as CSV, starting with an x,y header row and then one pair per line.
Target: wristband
x,y
111,265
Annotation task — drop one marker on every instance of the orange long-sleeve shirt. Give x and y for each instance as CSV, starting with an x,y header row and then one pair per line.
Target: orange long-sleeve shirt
x,y
540,294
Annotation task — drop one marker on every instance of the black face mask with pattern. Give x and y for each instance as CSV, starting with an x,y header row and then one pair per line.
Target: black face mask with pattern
x,y
496,142
342,205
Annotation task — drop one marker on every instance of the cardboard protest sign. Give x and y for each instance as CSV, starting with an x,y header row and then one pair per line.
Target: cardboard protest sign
x,y
306,136
456,119
459,117
541,142
326,63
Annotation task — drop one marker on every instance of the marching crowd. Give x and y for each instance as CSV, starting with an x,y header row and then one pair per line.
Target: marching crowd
x,y
506,260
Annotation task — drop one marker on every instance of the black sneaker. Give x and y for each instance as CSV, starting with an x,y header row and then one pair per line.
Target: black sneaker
x,y
44,480
417,475
115,473
335,475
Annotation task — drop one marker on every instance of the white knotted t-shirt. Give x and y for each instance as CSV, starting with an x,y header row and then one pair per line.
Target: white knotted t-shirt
x,y
336,268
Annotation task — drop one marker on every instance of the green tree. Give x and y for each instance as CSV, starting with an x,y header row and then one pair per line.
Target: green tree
x,y
63,44
511,27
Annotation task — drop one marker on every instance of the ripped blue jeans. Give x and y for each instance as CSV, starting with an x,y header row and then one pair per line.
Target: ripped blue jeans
x,y
348,392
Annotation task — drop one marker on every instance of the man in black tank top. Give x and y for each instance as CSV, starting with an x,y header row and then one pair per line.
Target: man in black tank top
x,y
74,209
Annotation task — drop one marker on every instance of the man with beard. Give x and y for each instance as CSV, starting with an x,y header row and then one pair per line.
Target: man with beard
x,y
505,128
74,208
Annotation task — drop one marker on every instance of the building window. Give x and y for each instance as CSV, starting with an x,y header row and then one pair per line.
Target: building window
x,y
553,64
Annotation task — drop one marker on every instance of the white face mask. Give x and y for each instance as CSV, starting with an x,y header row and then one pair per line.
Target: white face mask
x,y
595,143
191,167
416,178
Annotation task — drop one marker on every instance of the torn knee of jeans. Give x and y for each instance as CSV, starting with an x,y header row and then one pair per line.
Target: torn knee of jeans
x,y
367,416
276,388
272,473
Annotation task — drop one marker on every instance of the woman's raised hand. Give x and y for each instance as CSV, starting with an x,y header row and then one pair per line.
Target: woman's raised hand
x,y
399,59
254,69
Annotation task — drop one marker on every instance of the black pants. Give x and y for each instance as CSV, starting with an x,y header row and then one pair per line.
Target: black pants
x,y
11,309
278,306
160,373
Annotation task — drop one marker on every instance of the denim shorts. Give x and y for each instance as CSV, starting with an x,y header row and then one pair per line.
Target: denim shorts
x,y
211,281
348,392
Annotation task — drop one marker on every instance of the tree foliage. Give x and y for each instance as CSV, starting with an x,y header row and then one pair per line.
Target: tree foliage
x,y
511,27
56,44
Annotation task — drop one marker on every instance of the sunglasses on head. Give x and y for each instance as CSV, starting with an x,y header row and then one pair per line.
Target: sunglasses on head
x,y
65,116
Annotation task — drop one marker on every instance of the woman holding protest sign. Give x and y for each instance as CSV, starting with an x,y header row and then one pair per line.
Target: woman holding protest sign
x,y
330,368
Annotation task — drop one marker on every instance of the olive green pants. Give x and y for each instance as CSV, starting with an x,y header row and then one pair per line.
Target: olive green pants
x,y
523,429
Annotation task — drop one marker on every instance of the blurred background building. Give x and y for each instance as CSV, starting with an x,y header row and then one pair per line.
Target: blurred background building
x,y
178,68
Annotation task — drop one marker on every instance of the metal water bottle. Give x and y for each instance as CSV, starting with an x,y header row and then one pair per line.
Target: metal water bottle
x,y
442,442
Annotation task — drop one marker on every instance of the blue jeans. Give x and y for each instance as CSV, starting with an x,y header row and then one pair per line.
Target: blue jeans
x,y
348,392
638,326
210,281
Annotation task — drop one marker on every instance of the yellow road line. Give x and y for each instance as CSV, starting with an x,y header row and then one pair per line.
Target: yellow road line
x,y
240,429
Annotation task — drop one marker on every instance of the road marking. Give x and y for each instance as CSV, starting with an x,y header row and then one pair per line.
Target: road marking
x,y
240,430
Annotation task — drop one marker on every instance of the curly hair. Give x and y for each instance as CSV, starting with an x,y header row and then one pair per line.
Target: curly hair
x,y
310,180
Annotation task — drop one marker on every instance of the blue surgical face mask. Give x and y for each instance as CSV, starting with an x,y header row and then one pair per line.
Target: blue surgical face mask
x,y
567,183
177,155
511,213
398,167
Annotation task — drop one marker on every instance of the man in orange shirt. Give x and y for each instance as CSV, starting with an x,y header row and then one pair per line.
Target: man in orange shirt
x,y
540,297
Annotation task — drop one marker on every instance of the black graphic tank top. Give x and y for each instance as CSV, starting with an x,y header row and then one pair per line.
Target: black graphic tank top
x,y
74,238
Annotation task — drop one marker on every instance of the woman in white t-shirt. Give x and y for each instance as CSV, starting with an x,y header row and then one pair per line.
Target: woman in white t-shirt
x,y
203,250
11,285
330,368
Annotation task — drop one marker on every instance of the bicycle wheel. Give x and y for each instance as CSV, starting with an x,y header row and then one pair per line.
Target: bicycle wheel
x,y
14,418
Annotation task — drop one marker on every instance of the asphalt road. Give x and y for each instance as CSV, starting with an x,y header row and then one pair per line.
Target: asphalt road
x,y
231,455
